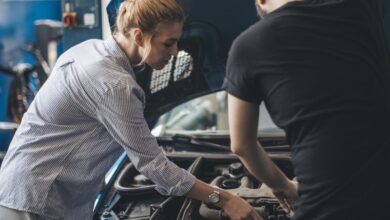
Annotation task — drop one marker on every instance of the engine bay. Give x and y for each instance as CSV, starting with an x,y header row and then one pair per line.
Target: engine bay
x,y
133,196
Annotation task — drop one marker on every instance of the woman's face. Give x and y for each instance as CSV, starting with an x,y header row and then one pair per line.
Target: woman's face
x,y
164,44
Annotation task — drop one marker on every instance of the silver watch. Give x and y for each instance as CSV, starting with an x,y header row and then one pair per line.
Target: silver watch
x,y
215,197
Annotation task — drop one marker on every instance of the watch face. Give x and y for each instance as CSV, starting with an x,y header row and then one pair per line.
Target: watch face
x,y
214,197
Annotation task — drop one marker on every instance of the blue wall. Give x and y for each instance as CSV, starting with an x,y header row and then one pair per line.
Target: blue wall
x,y
16,32
5,136
82,32
17,26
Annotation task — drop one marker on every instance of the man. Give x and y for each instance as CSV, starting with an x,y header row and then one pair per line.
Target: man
x,y
322,69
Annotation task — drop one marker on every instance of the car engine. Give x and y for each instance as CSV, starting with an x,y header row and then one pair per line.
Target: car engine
x,y
133,196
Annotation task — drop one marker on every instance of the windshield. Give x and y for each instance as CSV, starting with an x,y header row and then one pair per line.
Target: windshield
x,y
206,115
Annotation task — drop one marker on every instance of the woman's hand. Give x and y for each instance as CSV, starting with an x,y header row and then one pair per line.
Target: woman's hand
x,y
287,196
237,208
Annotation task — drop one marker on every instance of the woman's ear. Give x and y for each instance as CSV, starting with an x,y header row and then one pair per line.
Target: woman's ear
x,y
138,37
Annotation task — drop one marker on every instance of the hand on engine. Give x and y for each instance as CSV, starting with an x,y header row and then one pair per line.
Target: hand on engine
x,y
287,196
238,209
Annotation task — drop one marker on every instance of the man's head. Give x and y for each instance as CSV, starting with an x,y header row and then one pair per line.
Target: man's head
x,y
260,11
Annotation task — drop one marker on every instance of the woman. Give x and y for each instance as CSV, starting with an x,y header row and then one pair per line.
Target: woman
x,y
90,104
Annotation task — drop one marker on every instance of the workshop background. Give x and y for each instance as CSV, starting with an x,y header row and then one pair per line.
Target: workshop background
x,y
33,33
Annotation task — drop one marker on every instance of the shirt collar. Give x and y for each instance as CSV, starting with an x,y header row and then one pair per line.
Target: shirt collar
x,y
120,56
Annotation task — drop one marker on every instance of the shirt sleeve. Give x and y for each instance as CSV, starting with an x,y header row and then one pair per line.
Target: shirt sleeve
x,y
121,112
238,76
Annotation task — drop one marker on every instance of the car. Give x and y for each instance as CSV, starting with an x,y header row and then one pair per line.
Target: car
x,y
195,136
186,109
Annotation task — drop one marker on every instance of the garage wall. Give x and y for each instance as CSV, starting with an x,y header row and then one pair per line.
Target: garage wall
x,y
16,32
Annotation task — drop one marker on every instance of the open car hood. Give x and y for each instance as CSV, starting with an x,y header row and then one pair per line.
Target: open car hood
x,y
199,67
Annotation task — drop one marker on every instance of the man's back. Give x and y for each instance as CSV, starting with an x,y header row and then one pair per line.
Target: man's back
x,y
322,69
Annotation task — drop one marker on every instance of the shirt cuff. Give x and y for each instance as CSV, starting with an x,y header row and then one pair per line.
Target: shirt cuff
x,y
170,179
183,186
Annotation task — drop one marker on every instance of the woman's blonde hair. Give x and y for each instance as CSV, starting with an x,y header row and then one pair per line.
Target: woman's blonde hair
x,y
146,15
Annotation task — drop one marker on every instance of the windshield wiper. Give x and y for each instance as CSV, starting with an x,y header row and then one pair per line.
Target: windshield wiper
x,y
278,148
193,140
186,139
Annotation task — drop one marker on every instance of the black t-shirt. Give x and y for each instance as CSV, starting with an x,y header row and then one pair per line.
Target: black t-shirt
x,y
322,69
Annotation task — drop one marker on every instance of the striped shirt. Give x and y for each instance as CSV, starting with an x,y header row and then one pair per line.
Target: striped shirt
x,y
72,133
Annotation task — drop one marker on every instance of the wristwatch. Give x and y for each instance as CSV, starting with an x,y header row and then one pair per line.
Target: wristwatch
x,y
215,197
